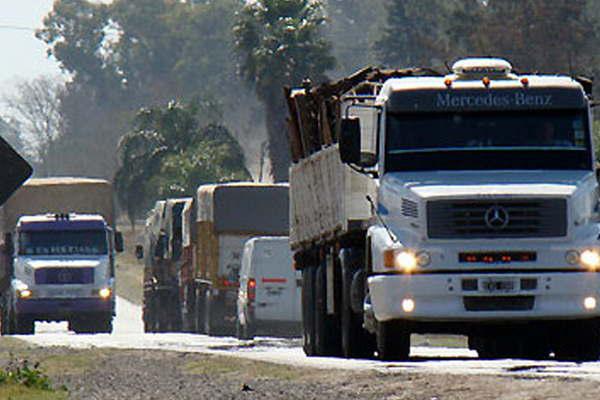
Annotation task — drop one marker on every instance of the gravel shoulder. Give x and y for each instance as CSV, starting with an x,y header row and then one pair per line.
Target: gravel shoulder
x,y
151,374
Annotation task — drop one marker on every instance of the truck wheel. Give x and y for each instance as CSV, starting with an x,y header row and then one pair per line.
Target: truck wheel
x,y
7,322
393,342
200,311
189,318
325,329
23,325
11,328
580,343
104,324
148,314
308,311
356,341
208,317
243,331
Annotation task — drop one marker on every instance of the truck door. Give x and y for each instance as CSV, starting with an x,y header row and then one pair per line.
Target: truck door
x,y
275,283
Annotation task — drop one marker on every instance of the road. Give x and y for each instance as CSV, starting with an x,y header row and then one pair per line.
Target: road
x,y
128,334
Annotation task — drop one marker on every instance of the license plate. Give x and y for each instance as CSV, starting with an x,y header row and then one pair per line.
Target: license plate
x,y
497,285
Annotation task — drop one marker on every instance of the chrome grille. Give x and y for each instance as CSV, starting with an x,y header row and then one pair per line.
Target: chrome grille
x,y
460,219
64,276
409,208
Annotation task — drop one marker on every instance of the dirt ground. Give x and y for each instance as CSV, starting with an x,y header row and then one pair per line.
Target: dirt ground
x,y
130,271
147,374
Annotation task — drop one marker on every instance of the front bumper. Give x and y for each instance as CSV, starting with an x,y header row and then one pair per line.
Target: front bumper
x,y
63,308
442,298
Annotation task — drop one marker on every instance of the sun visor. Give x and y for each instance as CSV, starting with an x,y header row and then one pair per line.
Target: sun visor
x,y
486,100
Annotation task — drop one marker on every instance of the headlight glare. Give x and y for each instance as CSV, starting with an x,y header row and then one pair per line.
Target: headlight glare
x,y
24,293
590,259
104,293
403,260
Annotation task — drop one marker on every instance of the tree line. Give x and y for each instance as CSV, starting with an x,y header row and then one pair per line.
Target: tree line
x,y
164,94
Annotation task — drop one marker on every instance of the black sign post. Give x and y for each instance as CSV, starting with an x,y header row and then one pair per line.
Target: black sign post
x,y
14,170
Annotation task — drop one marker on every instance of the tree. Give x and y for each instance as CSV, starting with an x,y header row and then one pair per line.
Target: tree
x,y
354,25
127,54
35,108
415,33
526,32
279,43
170,151
9,130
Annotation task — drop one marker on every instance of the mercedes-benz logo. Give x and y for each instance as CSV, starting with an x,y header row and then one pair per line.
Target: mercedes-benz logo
x,y
496,217
64,276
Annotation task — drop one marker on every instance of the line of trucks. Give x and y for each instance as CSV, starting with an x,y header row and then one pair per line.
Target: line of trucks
x,y
220,262
419,202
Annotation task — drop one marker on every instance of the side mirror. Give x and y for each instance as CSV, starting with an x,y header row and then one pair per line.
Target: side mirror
x,y
119,247
139,252
9,245
350,140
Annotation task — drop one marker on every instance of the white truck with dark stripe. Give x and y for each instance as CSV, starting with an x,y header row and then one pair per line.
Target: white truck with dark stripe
x,y
60,248
464,203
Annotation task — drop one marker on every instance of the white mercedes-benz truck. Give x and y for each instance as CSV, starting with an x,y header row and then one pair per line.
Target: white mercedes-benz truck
x,y
464,203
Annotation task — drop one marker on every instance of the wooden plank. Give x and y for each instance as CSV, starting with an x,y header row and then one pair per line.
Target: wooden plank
x,y
296,148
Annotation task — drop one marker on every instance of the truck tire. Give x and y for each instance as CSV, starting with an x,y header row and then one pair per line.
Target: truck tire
x,y
393,342
356,341
209,310
175,316
23,325
308,311
326,333
7,321
148,314
189,318
200,311
244,331
579,343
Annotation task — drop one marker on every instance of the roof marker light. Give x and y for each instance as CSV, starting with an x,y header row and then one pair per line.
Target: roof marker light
x,y
525,82
448,82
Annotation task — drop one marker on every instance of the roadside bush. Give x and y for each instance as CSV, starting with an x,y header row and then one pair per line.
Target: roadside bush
x,y
22,373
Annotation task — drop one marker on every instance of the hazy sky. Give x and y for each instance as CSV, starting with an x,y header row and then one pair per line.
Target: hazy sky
x,y
23,56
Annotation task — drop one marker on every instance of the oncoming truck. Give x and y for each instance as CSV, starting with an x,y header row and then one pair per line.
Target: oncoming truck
x,y
464,203
59,246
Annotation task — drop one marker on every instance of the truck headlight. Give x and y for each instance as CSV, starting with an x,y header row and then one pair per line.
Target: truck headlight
x,y
104,293
24,293
590,259
405,260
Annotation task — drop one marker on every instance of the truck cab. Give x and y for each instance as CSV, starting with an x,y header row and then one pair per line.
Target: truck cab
x,y
486,213
63,268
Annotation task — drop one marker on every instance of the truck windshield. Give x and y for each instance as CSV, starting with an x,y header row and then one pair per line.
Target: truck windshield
x,y
45,243
488,140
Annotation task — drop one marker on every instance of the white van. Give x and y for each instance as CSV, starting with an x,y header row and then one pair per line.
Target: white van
x,y
270,289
